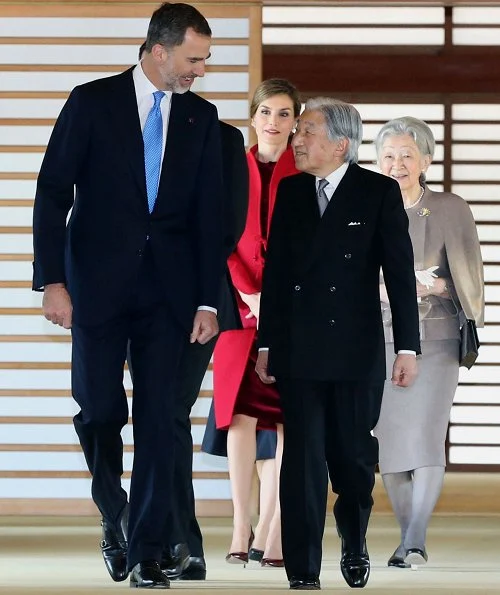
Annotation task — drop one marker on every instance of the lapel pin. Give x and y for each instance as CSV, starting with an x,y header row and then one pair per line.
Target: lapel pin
x,y
191,120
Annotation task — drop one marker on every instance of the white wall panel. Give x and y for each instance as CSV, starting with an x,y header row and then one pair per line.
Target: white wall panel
x,y
475,111
477,15
14,270
119,55
15,243
482,192
386,111
486,212
206,489
476,152
488,233
476,36
50,108
481,374
351,36
35,352
21,162
478,132
24,135
475,455
48,434
28,325
14,189
475,415
477,394
108,27
212,489
476,172
16,216
42,379
474,435
335,15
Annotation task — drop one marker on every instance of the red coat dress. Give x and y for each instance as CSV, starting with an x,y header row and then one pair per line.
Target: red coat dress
x,y
237,388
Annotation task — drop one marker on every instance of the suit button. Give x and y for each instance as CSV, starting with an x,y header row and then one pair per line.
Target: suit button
x,y
333,289
140,252
347,256
297,288
332,322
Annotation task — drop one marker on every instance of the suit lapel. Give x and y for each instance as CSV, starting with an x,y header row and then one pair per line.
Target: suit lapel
x,y
125,116
181,127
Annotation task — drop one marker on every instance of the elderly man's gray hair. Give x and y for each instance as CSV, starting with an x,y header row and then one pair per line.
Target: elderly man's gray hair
x,y
342,121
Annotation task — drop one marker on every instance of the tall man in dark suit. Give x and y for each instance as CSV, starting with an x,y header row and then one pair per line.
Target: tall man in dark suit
x,y
334,226
187,560
141,258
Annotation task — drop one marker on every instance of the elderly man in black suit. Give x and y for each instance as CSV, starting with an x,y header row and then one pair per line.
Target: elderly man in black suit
x,y
141,258
334,227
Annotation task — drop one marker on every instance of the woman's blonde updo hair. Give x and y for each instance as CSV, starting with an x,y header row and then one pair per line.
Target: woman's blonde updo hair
x,y
270,88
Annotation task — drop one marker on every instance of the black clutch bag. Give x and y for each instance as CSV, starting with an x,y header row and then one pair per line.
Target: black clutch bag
x,y
469,344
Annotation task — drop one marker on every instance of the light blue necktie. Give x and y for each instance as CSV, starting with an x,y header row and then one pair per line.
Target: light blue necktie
x,y
153,145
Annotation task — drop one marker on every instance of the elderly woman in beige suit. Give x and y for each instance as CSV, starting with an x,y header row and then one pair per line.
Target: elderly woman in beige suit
x,y
449,275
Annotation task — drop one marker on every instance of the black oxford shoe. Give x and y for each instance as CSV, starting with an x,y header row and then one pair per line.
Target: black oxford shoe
x,y
148,575
174,563
397,562
114,548
355,567
309,583
196,570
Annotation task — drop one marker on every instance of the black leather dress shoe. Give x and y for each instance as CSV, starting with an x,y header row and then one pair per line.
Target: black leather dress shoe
x,y
415,556
196,570
176,561
114,547
308,583
355,567
148,575
397,562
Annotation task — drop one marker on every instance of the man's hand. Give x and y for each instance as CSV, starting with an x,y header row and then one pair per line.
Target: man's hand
x,y
205,327
261,368
404,370
252,300
56,305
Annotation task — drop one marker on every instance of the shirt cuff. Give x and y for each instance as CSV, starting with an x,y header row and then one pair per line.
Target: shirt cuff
x,y
407,352
263,348
208,309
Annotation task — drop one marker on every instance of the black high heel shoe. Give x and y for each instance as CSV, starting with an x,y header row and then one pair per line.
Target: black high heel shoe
x,y
241,557
255,554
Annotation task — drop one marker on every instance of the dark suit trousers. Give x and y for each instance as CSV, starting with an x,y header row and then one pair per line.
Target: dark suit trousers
x,y
327,426
99,354
183,526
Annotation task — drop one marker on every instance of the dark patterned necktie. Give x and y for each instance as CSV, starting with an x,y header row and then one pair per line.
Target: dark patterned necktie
x,y
322,197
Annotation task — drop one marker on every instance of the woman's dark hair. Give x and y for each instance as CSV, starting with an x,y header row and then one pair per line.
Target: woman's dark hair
x,y
270,88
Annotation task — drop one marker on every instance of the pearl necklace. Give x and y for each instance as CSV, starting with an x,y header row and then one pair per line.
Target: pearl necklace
x,y
417,201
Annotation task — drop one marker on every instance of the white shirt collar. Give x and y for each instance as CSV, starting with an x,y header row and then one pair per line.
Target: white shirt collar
x,y
333,179
143,86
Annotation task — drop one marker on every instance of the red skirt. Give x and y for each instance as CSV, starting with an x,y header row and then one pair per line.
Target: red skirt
x,y
237,388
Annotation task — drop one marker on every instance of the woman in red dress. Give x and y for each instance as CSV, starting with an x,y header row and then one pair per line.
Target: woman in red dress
x,y
243,404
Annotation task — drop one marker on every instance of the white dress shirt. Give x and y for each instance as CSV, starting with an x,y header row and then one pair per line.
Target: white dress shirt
x,y
144,90
334,180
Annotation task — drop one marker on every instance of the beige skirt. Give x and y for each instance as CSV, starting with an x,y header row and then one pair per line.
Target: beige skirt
x,y
413,421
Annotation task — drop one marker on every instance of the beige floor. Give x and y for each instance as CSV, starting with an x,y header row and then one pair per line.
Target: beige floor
x,y
60,555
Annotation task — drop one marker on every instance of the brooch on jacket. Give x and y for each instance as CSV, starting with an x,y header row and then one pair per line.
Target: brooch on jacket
x,y
424,212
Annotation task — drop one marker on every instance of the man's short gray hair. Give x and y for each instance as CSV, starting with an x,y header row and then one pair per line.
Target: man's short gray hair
x,y
342,121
